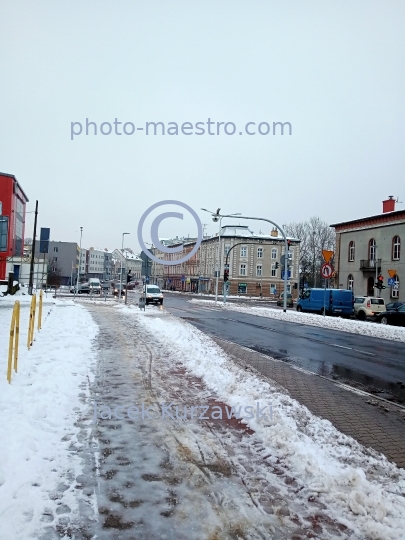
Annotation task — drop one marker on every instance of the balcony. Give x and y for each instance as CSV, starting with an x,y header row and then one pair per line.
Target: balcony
x,y
370,265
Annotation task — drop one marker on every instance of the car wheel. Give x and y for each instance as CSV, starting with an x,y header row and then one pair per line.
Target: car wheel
x,y
299,309
384,320
361,315
161,302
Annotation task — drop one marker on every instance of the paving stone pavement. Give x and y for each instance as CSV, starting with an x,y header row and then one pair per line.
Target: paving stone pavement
x,y
379,425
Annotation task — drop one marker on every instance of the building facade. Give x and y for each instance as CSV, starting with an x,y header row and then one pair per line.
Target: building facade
x,y
368,247
12,224
126,260
254,263
62,259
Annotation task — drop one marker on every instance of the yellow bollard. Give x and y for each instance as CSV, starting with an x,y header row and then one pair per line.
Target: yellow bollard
x,y
40,311
31,324
13,341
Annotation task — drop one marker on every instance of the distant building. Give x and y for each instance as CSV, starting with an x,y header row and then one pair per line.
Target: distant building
x,y
12,224
366,247
252,261
126,260
62,258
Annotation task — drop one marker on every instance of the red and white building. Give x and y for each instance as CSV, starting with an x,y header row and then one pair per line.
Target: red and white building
x,y
12,223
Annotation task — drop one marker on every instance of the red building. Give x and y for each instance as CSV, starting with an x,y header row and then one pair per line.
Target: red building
x,y
12,220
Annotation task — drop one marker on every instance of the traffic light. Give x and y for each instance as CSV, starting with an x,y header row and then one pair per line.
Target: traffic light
x,y
129,276
277,264
226,275
289,244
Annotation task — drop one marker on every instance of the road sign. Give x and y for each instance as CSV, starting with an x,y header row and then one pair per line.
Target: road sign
x,y
326,270
327,255
288,274
392,273
391,282
396,286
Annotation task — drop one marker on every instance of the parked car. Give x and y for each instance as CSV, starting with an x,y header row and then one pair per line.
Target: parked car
x,y
290,301
106,286
368,306
396,316
153,294
332,301
73,289
83,289
394,305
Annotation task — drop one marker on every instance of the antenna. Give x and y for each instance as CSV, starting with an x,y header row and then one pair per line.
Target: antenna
x,y
398,201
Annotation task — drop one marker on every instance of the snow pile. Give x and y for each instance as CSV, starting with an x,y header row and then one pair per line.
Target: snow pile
x,y
365,328
361,489
38,411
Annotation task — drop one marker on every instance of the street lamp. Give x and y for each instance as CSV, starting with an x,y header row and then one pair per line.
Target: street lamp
x,y
122,255
78,270
216,217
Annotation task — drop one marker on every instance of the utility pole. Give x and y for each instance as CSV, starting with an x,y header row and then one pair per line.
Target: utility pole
x,y
80,257
31,281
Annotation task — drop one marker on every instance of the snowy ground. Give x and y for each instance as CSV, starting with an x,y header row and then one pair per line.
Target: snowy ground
x,y
37,410
365,328
285,475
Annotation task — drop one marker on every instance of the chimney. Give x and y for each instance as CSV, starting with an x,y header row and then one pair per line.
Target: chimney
x,y
274,232
389,204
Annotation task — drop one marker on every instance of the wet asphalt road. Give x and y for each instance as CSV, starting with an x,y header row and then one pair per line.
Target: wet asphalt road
x,y
370,364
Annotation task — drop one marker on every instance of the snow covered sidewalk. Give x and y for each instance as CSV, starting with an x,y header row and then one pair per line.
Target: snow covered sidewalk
x,y
37,411
360,490
365,328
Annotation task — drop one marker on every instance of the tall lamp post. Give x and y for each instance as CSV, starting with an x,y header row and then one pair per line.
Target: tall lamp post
x,y
122,255
218,253
78,270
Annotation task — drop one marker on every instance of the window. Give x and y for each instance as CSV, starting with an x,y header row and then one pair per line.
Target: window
x,y
274,253
259,253
55,259
273,270
395,289
243,251
227,248
288,288
3,233
396,248
350,282
55,250
351,251
242,270
371,250
259,270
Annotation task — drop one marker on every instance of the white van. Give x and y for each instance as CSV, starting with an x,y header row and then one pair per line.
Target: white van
x,y
95,285
153,294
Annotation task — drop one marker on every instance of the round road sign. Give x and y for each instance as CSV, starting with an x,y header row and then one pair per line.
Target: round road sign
x,y
326,270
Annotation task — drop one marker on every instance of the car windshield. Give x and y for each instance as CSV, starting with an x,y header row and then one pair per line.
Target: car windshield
x,y
153,290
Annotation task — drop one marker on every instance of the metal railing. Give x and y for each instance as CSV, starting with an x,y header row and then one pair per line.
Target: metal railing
x,y
370,264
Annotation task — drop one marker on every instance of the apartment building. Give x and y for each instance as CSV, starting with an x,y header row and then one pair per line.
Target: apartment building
x,y
367,247
252,260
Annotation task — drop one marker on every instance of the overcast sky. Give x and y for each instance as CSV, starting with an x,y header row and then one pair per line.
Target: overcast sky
x,y
334,70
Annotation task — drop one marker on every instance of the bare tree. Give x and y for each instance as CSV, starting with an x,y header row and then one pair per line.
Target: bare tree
x,y
54,275
315,235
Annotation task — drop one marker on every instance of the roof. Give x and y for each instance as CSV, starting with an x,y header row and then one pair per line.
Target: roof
x,y
385,218
16,181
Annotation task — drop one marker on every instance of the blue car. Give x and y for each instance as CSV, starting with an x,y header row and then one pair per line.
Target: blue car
x,y
332,301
